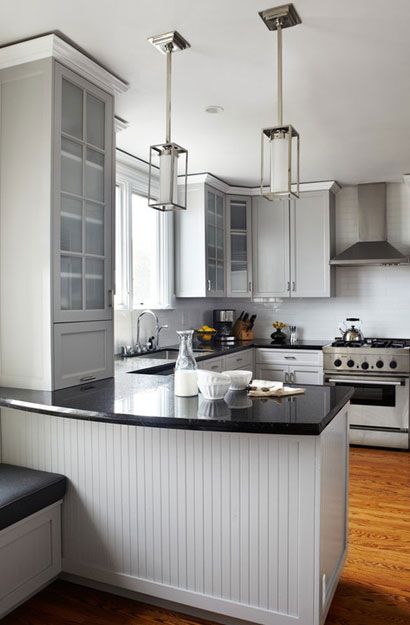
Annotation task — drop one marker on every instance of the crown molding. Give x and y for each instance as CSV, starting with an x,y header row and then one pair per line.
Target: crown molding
x,y
220,185
52,45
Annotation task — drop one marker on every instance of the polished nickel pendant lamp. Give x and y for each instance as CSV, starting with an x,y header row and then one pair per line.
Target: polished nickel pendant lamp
x,y
170,159
280,146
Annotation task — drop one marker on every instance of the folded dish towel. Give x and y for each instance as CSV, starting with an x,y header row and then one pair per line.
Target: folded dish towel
x,y
264,388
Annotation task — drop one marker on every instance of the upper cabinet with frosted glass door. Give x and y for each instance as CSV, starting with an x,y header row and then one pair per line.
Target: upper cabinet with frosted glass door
x,y
215,242
238,246
83,171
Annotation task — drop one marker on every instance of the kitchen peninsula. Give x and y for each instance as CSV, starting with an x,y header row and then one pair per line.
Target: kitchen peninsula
x,y
235,507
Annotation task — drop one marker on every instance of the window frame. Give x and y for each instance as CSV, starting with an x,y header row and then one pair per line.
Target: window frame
x,y
132,177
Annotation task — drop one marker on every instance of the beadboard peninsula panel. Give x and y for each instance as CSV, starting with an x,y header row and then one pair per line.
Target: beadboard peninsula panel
x,y
219,521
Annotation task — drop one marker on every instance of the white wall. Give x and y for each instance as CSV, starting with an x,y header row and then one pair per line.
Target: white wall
x,y
380,296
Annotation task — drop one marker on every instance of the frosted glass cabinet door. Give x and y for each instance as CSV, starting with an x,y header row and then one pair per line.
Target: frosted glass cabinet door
x,y
215,242
83,199
238,244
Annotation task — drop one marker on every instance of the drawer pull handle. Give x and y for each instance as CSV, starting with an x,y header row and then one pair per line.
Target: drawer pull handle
x,y
88,378
215,368
290,357
239,359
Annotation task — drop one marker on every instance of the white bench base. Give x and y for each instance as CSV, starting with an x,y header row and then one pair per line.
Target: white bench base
x,y
30,556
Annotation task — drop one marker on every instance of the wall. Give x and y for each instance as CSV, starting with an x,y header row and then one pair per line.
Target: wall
x,y
380,296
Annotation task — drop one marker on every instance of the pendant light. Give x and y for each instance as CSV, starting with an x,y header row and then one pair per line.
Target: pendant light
x,y
168,157
280,144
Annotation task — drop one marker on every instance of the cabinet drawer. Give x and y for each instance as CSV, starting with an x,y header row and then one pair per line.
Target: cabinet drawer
x,y
212,364
240,360
290,357
83,352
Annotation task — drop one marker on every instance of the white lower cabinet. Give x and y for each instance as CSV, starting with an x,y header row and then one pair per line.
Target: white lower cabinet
x,y
82,352
239,361
212,364
293,367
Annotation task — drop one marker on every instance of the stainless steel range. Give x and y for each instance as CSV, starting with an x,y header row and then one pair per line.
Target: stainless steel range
x,y
379,371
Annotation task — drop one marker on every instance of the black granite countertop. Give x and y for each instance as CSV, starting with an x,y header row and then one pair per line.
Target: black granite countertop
x,y
149,400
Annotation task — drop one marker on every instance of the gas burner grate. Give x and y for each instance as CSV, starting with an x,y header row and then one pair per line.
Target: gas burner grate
x,y
341,343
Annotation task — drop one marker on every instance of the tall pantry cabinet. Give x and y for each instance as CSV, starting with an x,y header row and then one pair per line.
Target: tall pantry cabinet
x,y
56,213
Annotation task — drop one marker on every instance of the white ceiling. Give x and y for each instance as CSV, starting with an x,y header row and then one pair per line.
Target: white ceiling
x,y
346,78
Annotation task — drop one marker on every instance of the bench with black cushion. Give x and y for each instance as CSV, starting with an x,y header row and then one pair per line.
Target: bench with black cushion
x,y
30,532
25,491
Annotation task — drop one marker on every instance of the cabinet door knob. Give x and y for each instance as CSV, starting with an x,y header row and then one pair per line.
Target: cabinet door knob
x,y
110,298
288,286
293,286
209,285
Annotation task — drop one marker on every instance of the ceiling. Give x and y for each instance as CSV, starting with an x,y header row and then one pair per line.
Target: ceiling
x,y
346,78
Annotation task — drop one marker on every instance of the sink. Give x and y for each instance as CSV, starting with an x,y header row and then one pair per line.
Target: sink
x,y
162,354
166,354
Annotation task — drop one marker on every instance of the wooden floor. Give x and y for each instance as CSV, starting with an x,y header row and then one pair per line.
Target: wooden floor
x,y
374,590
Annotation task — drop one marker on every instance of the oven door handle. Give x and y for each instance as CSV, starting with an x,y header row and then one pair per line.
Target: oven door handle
x,y
367,381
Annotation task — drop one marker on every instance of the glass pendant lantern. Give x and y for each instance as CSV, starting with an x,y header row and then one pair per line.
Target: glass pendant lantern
x,y
280,146
168,161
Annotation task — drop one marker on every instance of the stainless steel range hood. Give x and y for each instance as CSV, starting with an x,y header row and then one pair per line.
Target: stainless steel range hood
x,y
372,247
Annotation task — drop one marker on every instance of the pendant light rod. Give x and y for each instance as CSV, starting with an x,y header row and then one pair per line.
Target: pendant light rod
x,y
279,72
168,96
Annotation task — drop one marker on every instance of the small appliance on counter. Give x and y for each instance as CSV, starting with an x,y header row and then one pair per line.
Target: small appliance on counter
x,y
223,320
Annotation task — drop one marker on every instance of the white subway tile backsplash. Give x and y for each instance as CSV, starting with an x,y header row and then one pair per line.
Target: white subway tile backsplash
x,y
380,296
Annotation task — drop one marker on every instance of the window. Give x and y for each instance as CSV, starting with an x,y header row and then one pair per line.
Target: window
x,y
144,265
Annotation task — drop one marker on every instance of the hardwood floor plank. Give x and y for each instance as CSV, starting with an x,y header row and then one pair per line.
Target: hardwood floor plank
x,y
375,585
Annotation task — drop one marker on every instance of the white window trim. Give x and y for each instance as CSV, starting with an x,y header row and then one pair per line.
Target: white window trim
x,y
132,177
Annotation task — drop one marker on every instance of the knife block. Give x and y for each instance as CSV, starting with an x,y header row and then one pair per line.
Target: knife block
x,y
242,331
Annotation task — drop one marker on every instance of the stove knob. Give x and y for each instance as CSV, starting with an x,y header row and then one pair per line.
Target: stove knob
x,y
379,364
337,362
350,363
365,365
393,364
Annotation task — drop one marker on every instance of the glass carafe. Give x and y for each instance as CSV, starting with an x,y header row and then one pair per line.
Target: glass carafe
x,y
185,382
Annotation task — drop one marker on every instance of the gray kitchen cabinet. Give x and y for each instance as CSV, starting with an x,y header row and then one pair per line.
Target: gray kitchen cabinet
x,y
292,366
56,224
238,246
82,352
270,236
293,242
212,364
275,373
83,181
300,374
200,244
312,245
230,362
215,242
241,361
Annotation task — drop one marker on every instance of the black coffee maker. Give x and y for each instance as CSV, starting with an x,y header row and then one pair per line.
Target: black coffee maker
x,y
223,320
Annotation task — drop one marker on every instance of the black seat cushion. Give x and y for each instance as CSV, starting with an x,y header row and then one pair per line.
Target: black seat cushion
x,y
25,491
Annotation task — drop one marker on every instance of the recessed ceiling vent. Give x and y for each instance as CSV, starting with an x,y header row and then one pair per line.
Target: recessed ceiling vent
x,y
372,247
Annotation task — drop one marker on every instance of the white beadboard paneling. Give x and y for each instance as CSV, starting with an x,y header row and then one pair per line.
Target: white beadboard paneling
x,y
222,521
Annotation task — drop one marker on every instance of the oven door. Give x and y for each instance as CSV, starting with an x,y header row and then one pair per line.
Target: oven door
x,y
380,403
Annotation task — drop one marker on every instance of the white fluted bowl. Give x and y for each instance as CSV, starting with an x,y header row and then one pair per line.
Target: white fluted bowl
x,y
213,385
239,379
